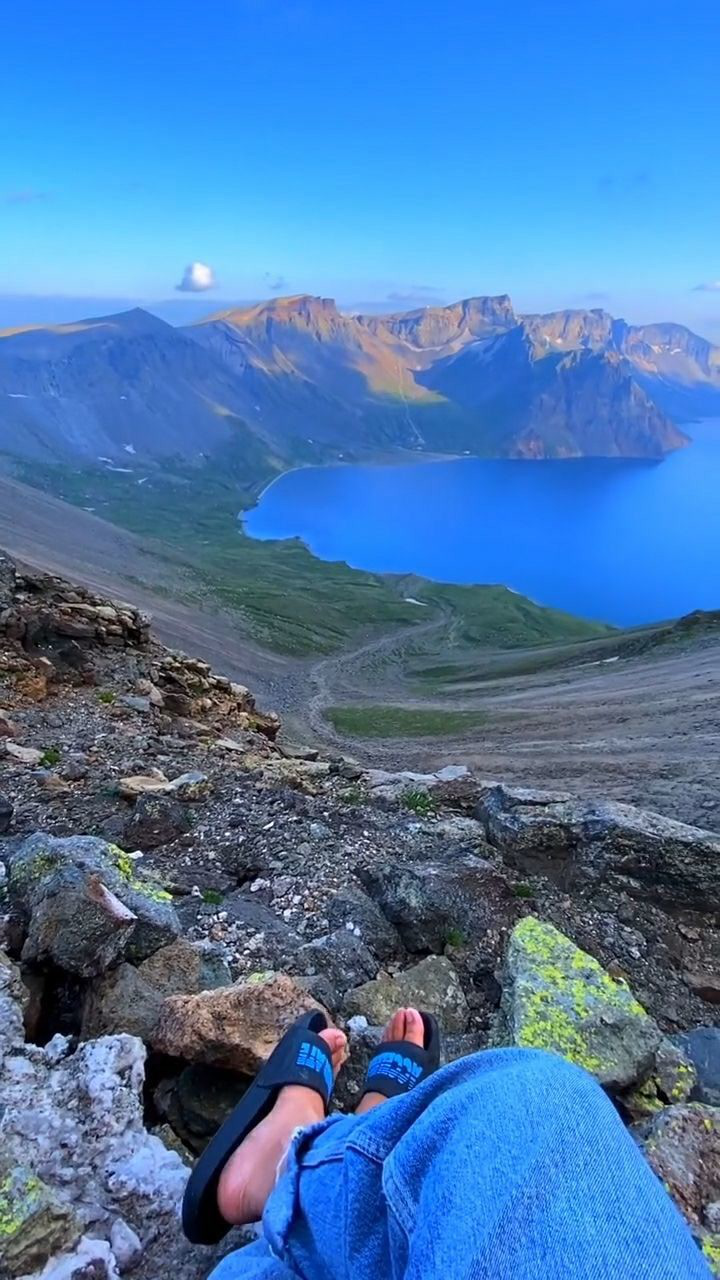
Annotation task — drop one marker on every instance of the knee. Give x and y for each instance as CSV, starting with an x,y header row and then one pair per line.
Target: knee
x,y
540,1081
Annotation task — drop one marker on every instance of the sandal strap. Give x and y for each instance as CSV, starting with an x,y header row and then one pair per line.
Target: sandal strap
x,y
306,1060
396,1067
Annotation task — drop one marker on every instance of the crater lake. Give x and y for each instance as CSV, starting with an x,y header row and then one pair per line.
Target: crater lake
x,y
616,540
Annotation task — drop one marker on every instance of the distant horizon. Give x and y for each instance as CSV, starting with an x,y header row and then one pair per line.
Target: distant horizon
x,y
18,310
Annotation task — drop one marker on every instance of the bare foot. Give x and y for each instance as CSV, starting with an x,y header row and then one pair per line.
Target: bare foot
x,y
406,1024
251,1172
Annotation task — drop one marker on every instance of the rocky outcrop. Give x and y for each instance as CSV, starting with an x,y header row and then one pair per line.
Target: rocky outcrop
x,y
585,845
82,906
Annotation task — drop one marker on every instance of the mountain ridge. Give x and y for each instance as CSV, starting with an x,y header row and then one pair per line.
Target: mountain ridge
x,y
296,379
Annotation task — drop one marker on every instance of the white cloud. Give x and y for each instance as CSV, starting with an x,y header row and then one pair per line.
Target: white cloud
x,y
197,277
710,286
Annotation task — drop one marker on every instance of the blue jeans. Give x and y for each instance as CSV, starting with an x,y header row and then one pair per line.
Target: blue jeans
x,y
509,1165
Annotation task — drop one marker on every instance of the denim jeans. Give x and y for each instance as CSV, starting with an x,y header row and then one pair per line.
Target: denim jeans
x,y
508,1165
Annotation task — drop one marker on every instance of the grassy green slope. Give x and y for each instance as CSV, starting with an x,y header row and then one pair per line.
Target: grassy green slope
x,y
291,601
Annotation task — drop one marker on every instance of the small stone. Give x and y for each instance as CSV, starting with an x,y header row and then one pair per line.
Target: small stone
x,y
140,784
24,755
704,985
125,1244
8,728
191,787
6,814
135,703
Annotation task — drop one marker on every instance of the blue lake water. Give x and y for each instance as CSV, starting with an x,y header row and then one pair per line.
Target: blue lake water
x,y
621,541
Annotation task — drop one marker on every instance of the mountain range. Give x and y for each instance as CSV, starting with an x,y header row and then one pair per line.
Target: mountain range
x,y
296,379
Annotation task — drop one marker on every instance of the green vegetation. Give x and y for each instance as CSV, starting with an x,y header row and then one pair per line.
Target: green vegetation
x,y
522,890
50,757
419,802
212,897
402,722
455,937
107,696
289,600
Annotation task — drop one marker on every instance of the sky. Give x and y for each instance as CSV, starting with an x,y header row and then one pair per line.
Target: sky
x,y
388,153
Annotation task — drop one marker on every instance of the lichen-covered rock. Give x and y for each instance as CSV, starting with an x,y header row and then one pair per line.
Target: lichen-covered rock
x,y
130,999
432,985
583,844
432,903
557,997
75,1122
682,1144
673,1080
84,906
6,813
235,1027
33,1223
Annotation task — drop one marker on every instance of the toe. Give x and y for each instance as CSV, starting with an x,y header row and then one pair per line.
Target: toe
x,y
336,1042
395,1029
414,1028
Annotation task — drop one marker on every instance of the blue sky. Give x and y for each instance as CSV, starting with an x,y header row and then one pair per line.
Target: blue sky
x,y
384,153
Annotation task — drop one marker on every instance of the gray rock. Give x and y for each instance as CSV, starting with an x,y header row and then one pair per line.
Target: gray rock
x,y
135,702
702,1046
432,986
13,997
341,957
200,1100
6,814
156,820
558,998
582,845
130,999
353,909
433,904
83,906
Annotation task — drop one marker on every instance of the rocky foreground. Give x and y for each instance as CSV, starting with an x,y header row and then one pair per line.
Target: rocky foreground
x,y
178,882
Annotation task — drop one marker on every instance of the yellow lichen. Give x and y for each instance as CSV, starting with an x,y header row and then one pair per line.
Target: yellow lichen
x,y
563,989
711,1250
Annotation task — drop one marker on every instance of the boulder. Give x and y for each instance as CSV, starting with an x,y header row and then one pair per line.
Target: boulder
x,y
581,845
341,957
353,910
157,819
435,903
200,1100
235,1027
8,728
682,1144
130,999
705,985
77,1150
386,785
702,1047
432,985
83,906
557,997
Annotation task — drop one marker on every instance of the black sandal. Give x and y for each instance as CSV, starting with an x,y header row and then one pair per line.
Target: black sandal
x,y
397,1066
301,1057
